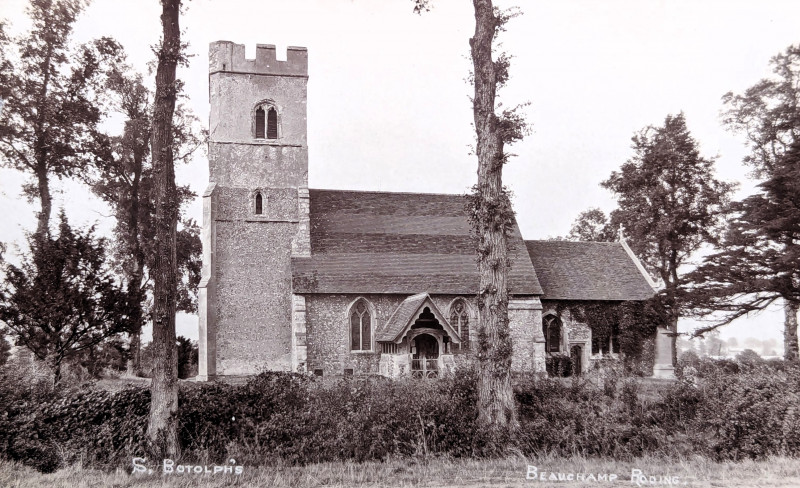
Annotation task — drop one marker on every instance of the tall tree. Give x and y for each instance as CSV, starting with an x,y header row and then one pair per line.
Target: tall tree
x,y
760,260
50,111
63,299
670,205
492,219
491,216
123,178
161,427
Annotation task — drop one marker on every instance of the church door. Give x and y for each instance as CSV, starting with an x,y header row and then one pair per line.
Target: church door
x,y
576,355
425,363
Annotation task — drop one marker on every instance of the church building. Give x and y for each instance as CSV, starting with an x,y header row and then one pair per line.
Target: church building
x,y
355,282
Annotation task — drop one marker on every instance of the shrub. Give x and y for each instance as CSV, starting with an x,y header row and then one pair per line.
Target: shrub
x,y
558,365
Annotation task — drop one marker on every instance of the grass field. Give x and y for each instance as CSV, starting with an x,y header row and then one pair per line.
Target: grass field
x,y
508,472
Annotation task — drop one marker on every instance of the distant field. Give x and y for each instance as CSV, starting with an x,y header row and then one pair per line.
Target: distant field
x,y
509,472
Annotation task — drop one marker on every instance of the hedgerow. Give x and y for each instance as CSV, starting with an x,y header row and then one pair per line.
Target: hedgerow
x,y
751,411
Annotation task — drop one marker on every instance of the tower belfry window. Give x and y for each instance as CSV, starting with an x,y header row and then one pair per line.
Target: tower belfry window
x,y
260,123
272,123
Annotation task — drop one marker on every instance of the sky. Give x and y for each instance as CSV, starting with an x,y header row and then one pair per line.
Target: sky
x,y
389,107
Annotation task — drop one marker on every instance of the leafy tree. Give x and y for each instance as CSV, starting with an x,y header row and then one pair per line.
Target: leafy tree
x,y
592,225
491,216
162,428
48,123
759,259
123,178
63,299
670,205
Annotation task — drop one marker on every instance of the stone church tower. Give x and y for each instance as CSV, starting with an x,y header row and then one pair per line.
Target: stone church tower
x,y
255,209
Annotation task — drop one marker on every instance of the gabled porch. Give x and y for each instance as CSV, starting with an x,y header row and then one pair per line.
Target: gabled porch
x,y
417,340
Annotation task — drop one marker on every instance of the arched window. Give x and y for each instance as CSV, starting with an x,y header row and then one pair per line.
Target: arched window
x,y
459,319
360,327
272,123
259,203
551,327
266,121
260,123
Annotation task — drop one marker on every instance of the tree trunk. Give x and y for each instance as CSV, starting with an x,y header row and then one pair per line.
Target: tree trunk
x,y
43,182
491,217
137,272
161,427
790,348
54,362
41,149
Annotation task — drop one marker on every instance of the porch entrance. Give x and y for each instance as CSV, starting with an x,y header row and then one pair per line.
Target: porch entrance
x,y
425,359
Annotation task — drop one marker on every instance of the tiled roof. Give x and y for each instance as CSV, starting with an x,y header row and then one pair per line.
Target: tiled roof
x,y
406,312
587,271
377,242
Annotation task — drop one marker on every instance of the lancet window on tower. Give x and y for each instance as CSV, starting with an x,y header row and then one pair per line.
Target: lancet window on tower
x,y
272,123
266,123
260,123
259,203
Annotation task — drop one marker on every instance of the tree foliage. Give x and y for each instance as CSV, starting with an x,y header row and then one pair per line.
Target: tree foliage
x,y
669,204
63,298
48,124
592,226
768,113
759,259
187,357
123,177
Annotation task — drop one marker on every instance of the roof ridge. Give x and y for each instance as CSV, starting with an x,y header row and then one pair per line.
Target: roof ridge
x,y
389,192
572,242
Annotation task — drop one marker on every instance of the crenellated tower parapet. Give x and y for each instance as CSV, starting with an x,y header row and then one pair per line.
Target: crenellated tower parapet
x,y
227,56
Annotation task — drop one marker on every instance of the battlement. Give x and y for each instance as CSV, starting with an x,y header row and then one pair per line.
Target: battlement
x,y
226,56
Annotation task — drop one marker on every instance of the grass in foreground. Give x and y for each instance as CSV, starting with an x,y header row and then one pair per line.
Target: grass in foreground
x,y
508,472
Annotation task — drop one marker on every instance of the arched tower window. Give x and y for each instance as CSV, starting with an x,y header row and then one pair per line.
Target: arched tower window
x,y
259,204
260,123
272,123
266,121
459,319
360,326
551,327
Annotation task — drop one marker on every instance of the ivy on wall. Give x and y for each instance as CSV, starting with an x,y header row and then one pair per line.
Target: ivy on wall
x,y
636,322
